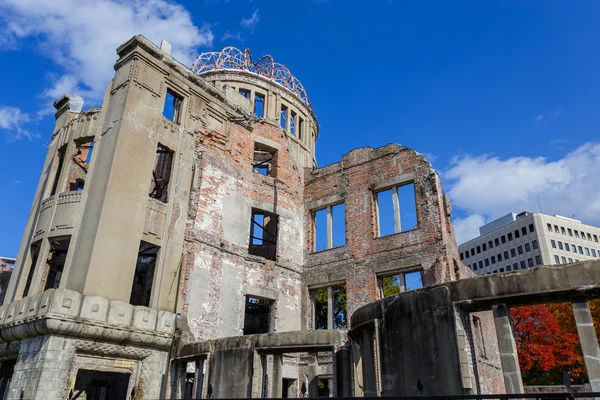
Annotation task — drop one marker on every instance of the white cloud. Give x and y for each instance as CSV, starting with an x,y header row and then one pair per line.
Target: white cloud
x,y
227,36
12,120
82,36
491,187
467,228
250,23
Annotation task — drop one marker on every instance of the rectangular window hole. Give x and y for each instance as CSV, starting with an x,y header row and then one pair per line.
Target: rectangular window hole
x,y
143,278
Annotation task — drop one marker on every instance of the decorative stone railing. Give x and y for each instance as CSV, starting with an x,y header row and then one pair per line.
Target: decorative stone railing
x,y
69,313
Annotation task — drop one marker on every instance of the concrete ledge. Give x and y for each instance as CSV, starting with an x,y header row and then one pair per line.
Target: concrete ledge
x,y
271,343
539,285
69,313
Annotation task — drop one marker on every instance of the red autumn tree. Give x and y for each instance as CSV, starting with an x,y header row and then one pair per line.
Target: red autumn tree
x,y
545,348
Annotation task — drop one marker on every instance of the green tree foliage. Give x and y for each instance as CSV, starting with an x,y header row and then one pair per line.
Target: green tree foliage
x,y
391,285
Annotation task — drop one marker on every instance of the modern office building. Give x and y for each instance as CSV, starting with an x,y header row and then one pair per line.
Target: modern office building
x,y
527,240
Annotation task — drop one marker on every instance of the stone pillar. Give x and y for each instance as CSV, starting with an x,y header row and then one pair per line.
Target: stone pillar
x,y
258,375
368,365
277,380
508,350
343,372
330,307
312,374
588,340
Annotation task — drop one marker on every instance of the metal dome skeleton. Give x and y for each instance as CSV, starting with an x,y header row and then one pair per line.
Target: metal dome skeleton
x,y
234,59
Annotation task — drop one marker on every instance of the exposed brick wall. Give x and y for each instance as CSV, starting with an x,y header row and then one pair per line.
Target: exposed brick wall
x,y
431,246
220,263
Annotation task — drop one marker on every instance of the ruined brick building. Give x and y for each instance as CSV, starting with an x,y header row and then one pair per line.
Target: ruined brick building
x,y
182,243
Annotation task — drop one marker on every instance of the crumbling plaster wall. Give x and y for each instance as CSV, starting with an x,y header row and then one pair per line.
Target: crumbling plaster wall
x,y
218,271
354,180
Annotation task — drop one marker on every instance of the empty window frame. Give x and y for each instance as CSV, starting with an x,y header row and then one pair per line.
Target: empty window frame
x,y
263,234
161,175
143,278
57,171
79,165
35,252
531,228
283,117
538,260
172,106
300,128
55,262
292,129
330,227
259,105
390,285
264,160
330,307
245,92
396,210
257,315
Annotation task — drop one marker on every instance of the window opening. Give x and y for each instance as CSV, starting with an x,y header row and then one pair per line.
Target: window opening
x,y
35,252
264,160
91,384
330,227
259,105
394,284
55,262
246,93
324,386
397,210
61,160
143,278
257,314
336,296
263,234
321,308
161,174
292,123
172,107
300,128
79,165
283,117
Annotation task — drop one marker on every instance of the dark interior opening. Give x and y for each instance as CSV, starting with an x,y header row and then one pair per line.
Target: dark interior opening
x,y
263,234
143,278
55,262
101,385
256,316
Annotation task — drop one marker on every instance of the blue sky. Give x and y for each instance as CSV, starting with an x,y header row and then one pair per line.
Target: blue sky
x,y
502,97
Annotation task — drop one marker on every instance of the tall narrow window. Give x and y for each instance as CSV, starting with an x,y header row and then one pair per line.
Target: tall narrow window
x,y
55,262
61,160
264,160
161,174
321,300
327,317
330,227
396,210
35,252
141,289
283,117
300,128
257,314
172,106
259,105
79,165
263,234
292,123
